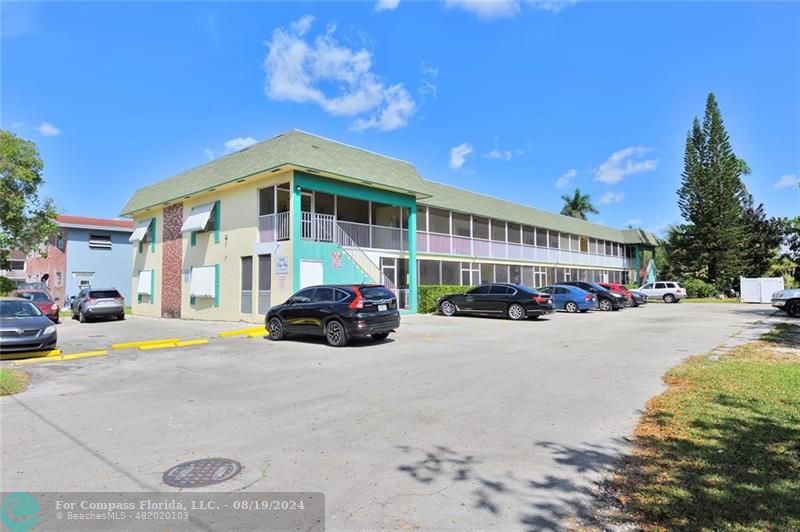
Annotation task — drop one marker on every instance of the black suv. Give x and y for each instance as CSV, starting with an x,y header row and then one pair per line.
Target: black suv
x,y
515,301
337,312
606,299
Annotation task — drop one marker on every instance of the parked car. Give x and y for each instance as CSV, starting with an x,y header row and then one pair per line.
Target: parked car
x,y
570,298
91,303
336,312
638,298
43,302
788,301
621,290
515,301
606,299
669,291
23,327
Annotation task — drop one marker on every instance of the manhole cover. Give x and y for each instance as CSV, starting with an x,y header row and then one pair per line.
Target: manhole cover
x,y
199,473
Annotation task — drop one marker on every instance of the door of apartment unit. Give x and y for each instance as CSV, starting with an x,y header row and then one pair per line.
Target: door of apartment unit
x,y
311,273
389,270
247,286
264,282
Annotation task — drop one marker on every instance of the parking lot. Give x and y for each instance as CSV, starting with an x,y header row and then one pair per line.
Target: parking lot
x,y
452,423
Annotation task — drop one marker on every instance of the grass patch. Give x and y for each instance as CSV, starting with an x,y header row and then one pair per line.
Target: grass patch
x,y
12,381
711,300
720,449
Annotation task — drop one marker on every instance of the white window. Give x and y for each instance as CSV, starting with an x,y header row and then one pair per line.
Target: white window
x,y
199,219
145,285
204,281
140,233
99,241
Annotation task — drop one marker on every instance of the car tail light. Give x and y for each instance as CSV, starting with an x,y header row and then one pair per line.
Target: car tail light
x,y
54,307
541,299
358,302
119,298
588,297
89,299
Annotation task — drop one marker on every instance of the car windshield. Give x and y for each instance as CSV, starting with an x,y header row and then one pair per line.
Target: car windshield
x,y
103,294
18,309
376,292
34,296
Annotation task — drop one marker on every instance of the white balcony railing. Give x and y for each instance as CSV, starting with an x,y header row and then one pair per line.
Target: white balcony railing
x,y
325,228
273,227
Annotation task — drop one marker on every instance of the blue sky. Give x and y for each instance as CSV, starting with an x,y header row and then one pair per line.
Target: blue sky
x,y
512,98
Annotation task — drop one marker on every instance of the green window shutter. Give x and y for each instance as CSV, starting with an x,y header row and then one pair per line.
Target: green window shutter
x,y
153,235
193,240
191,300
140,246
152,287
217,220
191,297
216,285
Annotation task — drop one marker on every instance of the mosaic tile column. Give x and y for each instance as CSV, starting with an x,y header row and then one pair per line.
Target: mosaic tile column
x,y
172,262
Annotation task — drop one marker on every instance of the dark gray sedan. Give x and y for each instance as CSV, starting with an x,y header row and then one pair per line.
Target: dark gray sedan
x,y
23,327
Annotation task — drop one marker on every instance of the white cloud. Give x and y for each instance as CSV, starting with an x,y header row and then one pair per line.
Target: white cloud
x,y
553,6
622,163
458,155
386,5
611,197
487,9
566,178
239,143
633,222
48,130
428,85
297,70
788,180
209,153
503,155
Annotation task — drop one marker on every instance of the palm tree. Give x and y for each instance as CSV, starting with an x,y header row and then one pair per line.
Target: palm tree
x,y
578,205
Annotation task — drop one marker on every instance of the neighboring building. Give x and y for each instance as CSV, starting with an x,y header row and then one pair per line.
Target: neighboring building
x,y
85,252
14,268
227,239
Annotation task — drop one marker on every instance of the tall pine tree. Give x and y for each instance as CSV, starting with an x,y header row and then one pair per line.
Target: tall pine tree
x,y
711,199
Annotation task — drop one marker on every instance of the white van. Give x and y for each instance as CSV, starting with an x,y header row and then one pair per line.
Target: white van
x,y
669,291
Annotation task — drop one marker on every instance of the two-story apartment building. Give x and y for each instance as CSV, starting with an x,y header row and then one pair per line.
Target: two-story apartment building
x,y
85,252
227,239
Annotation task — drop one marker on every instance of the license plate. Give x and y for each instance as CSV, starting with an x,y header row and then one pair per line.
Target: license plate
x,y
382,307
105,304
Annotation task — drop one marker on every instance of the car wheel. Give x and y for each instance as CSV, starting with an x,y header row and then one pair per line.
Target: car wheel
x,y
81,316
669,298
793,309
605,305
335,333
275,328
516,311
571,306
447,308
379,337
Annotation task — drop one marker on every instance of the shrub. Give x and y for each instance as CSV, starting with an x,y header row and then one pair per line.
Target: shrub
x,y
698,288
7,286
428,294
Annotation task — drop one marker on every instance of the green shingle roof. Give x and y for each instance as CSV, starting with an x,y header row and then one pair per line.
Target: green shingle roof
x,y
316,153
293,147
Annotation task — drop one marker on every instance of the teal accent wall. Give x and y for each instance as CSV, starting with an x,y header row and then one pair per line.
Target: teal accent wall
x,y
217,221
350,190
349,272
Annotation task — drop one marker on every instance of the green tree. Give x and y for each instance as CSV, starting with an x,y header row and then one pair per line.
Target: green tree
x,y
762,239
578,205
26,222
711,199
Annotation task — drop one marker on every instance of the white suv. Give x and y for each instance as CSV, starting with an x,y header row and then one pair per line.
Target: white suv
x,y
669,291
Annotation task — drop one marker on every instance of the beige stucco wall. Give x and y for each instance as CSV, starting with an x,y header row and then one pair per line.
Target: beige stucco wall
x,y
147,260
238,238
